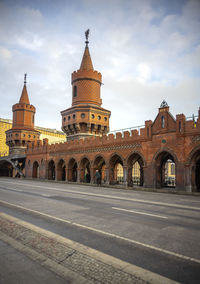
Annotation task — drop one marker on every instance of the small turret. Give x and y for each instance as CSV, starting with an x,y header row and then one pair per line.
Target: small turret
x,y
22,130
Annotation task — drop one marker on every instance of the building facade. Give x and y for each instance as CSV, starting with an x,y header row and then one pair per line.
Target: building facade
x,y
164,153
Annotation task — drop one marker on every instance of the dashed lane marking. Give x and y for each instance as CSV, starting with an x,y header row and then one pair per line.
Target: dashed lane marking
x,y
141,213
102,232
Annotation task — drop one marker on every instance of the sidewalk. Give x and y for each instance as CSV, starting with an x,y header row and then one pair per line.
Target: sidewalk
x,y
17,268
54,255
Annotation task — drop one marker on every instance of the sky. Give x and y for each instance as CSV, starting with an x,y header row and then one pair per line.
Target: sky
x,y
146,51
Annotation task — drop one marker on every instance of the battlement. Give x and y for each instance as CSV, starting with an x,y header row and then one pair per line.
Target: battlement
x,y
124,137
86,74
19,106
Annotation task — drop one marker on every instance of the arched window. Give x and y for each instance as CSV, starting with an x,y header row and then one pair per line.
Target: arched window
x,y
162,122
179,126
75,91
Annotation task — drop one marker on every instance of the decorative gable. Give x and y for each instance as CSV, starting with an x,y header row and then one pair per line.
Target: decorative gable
x,y
164,121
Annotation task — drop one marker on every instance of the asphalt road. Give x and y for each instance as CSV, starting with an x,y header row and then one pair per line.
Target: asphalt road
x,y
156,231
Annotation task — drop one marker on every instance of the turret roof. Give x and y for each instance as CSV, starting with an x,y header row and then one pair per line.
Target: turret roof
x,y
24,99
86,63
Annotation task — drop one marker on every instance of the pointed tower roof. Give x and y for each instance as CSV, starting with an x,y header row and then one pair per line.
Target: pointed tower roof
x,y
86,63
24,99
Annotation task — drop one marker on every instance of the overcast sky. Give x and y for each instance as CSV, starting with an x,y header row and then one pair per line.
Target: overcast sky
x,y
146,51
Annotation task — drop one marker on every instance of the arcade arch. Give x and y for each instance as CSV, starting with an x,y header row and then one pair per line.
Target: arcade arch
x,y
35,172
61,170
100,165
51,170
195,171
135,164
72,170
85,170
6,169
165,171
116,169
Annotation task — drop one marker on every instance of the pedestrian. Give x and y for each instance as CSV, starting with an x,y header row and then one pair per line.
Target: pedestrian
x,y
98,177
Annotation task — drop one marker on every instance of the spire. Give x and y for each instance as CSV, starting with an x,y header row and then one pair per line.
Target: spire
x,y
86,63
24,96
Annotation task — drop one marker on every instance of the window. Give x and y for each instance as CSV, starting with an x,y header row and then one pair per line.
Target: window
x,y
82,115
162,122
74,116
147,131
33,118
75,91
93,116
99,117
179,126
69,117
64,119
105,118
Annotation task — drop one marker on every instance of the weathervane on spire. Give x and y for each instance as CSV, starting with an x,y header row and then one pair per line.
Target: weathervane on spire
x,y
87,36
25,78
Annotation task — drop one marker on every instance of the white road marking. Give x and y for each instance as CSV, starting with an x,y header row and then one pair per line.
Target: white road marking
x,y
103,232
137,212
113,197
190,200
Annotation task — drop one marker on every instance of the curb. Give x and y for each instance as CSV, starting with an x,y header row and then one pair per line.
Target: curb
x,y
71,260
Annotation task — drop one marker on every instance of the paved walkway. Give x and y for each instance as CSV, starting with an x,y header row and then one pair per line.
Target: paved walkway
x,y
30,253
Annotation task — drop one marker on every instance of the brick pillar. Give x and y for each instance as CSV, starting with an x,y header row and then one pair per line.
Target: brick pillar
x,y
78,174
107,173
92,173
180,174
125,176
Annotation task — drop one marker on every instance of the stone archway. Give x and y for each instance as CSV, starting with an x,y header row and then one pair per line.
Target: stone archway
x,y
61,170
135,164
100,165
72,170
6,169
195,171
116,173
51,170
85,170
165,172
35,172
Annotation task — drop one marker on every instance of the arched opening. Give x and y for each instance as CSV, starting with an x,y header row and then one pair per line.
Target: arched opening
x,y
35,173
6,169
135,170
72,170
197,175
99,164
195,171
85,174
51,170
116,170
61,170
165,170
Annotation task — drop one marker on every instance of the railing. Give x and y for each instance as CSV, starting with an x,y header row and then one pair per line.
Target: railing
x,y
127,129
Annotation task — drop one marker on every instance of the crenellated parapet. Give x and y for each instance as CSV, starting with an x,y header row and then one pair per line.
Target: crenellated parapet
x,y
86,74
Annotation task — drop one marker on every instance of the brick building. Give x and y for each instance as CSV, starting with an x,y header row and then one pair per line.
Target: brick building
x,y
126,157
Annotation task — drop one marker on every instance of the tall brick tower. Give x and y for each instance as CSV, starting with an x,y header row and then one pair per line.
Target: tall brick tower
x,y
85,117
22,130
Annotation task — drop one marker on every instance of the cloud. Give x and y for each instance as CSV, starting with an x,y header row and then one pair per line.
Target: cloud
x,y
145,52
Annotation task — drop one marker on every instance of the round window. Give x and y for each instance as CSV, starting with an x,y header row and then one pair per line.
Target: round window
x,y
64,118
82,115
99,117
105,118
74,116
93,116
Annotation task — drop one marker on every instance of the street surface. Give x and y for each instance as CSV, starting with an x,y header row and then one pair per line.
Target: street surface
x,y
155,231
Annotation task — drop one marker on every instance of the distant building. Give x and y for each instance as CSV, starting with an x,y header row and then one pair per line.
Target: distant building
x,y
53,135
